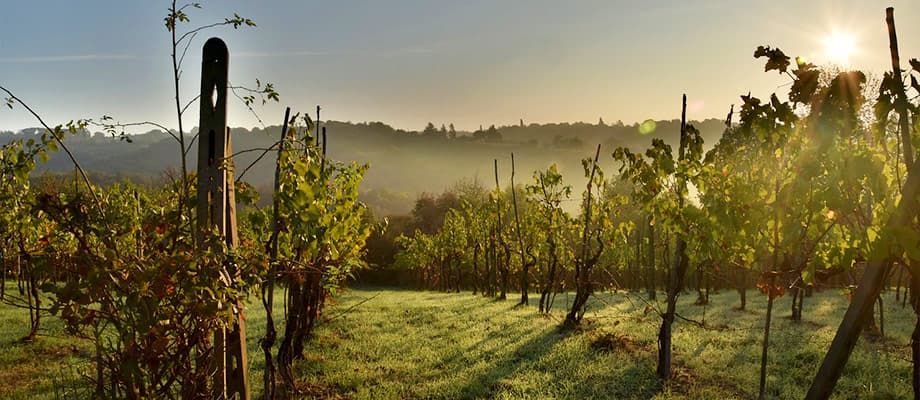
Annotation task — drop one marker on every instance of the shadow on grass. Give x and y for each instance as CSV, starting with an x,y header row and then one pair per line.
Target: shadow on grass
x,y
494,380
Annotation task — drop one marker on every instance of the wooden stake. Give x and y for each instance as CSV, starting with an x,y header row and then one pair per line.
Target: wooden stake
x,y
901,100
138,235
517,223
268,288
678,268
217,209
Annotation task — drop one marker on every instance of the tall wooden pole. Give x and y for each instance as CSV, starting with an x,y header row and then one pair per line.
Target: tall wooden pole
x,y
138,241
500,241
901,97
268,288
517,223
678,267
322,165
217,209
650,274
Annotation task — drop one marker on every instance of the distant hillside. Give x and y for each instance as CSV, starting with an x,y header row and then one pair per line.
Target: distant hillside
x,y
403,163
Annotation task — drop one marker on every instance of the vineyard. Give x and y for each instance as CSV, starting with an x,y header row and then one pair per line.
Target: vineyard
x,y
778,262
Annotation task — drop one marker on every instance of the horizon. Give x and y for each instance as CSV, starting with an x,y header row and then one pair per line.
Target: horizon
x,y
637,124
412,62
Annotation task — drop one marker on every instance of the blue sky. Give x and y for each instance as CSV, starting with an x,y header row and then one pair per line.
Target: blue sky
x,y
407,62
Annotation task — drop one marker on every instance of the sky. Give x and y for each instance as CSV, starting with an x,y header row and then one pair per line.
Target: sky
x,y
408,62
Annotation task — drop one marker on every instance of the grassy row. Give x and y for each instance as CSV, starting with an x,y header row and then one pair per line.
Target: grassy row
x,y
396,344
405,344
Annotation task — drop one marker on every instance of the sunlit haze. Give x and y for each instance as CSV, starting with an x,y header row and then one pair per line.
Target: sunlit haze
x,y
838,47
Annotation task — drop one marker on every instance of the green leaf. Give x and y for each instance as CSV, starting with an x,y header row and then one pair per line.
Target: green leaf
x,y
776,59
807,276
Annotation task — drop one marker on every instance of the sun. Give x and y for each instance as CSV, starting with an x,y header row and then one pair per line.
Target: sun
x,y
838,47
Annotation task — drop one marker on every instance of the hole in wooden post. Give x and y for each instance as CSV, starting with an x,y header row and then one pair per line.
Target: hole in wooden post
x,y
214,98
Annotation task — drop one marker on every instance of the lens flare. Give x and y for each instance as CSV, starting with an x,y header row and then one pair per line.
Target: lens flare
x,y
838,47
647,127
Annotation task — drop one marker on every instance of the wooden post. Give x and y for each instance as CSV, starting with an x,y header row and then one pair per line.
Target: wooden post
x,y
217,208
900,97
138,235
502,267
268,288
317,129
678,266
650,275
322,161
517,222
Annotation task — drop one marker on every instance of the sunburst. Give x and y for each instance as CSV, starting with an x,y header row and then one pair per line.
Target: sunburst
x,y
838,47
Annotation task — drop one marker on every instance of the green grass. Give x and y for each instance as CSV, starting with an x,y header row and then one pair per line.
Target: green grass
x,y
404,344
48,367
401,344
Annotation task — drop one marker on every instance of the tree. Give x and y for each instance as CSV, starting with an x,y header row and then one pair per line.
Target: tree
x,y
430,130
490,135
429,212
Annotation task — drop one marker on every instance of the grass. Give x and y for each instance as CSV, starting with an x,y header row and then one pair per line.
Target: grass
x,y
46,368
399,344
404,344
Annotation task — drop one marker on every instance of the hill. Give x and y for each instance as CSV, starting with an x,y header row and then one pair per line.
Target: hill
x,y
403,163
